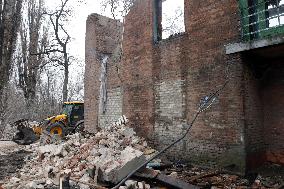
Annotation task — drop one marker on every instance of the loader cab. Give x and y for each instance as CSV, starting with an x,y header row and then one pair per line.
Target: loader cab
x,y
74,112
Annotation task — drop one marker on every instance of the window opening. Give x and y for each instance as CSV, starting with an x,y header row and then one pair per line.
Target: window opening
x,y
172,17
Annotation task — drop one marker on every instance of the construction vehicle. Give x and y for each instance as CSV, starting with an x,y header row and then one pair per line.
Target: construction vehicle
x,y
71,120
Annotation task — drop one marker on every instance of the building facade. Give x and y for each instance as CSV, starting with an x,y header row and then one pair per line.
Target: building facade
x,y
158,84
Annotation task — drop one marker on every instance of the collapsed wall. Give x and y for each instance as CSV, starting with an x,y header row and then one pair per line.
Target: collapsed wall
x,y
161,84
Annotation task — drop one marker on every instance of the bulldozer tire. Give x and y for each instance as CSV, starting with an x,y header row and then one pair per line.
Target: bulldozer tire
x,y
80,127
56,129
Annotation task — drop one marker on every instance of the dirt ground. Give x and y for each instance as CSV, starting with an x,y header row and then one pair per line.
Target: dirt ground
x,y
266,177
11,158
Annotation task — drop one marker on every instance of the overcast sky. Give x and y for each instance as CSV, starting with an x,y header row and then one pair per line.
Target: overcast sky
x,y
77,26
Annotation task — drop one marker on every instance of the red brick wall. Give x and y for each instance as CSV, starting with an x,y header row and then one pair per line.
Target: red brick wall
x,y
163,83
138,99
263,108
254,136
198,59
102,37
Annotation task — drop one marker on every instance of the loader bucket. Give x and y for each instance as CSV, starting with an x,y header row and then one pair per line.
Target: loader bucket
x,y
25,134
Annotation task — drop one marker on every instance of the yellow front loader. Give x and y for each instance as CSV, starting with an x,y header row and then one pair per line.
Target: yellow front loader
x,y
70,120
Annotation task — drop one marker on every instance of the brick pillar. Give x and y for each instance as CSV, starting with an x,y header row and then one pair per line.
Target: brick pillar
x,y
138,99
102,37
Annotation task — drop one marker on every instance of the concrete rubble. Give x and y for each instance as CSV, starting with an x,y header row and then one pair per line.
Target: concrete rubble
x,y
105,157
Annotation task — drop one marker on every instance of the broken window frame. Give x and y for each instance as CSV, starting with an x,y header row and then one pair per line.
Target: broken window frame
x,y
255,19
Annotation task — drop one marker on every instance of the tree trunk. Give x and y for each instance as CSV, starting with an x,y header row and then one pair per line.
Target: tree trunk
x,y
10,17
66,77
28,64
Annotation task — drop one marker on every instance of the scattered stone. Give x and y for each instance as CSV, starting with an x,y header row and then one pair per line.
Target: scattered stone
x,y
15,180
131,184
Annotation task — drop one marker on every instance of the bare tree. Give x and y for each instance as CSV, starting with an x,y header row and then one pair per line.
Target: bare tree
x,y
56,19
57,51
173,24
31,42
118,8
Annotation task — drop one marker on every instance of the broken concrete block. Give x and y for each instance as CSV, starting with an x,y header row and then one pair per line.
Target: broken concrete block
x,y
129,162
129,154
40,186
33,185
143,185
48,182
52,149
128,132
15,180
174,174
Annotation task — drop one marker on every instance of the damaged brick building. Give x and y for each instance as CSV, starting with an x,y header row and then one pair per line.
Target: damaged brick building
x,y
158,84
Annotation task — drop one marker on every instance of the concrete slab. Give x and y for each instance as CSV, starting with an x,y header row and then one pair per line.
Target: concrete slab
x,y
245,46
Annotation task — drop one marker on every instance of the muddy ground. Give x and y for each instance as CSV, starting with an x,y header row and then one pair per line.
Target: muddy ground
x,y
10,163
12,158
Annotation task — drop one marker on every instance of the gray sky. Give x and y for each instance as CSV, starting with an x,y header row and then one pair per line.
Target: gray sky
x,y
77,26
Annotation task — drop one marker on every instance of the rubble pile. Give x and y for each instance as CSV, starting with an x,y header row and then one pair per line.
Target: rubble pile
x,y
107,156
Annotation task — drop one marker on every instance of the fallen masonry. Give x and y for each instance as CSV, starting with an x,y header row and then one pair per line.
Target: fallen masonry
x,y
85,161
170,175
106,157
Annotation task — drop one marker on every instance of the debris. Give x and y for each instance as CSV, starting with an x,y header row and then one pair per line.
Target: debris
x,y
131,183
130,159
174,183
174,174
107,156
212,173
24,133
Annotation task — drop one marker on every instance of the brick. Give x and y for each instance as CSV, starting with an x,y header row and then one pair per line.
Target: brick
x,y
161,85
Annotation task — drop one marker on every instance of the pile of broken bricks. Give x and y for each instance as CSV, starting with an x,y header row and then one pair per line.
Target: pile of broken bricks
x,y
106,156
103,158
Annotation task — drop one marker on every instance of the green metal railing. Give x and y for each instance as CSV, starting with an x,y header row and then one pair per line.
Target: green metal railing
x,y
261,18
